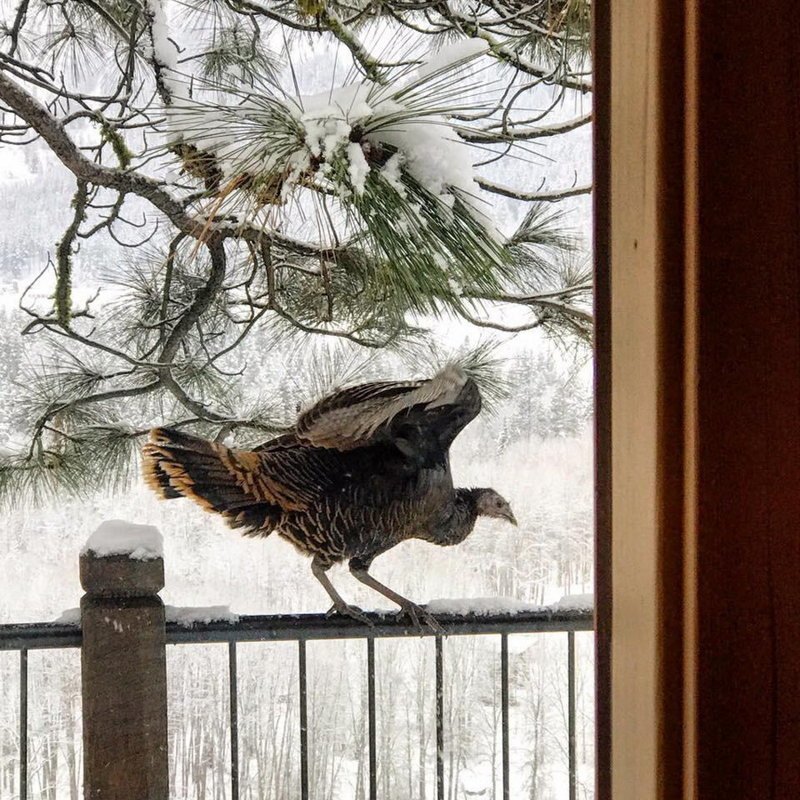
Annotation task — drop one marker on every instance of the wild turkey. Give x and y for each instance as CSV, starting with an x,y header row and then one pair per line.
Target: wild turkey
x,y
363,470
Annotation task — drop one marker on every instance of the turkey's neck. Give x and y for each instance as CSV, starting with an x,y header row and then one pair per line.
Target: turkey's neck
x,y
460,523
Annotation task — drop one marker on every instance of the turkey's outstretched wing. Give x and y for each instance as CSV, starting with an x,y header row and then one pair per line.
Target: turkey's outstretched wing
x,y
416,414
298,474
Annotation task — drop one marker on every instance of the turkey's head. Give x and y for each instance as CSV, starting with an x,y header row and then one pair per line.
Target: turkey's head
x,y
491,504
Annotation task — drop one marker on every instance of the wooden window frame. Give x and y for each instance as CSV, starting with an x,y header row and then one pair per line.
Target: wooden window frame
x,y
697,237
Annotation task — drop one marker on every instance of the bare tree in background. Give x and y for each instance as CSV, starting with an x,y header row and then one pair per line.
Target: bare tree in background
x,y
245,206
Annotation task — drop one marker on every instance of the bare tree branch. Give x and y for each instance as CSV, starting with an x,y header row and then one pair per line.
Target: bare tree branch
x,y
534,197
515,134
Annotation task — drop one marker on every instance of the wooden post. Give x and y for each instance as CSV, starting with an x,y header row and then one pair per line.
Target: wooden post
x,y
124,678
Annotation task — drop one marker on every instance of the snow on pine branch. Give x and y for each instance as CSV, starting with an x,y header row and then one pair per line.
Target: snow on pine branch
x,y
457,53
308,136
162,52
337,138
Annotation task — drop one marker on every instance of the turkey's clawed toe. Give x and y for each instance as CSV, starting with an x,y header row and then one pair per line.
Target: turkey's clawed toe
x,y
420,616
350,611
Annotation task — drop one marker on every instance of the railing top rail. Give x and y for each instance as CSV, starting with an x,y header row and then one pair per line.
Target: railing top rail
x,y
294,627
39,636
291,627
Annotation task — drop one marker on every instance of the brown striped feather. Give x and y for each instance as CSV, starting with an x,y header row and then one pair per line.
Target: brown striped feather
x,y
350,418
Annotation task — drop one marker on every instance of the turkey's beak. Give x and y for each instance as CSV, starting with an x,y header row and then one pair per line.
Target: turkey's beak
x,y
510,517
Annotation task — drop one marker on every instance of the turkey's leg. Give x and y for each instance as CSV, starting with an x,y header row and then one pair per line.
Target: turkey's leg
x,y
418,614
339,605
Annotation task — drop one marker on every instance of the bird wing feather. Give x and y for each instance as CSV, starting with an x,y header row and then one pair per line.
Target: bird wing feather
x,y
298,474
360,415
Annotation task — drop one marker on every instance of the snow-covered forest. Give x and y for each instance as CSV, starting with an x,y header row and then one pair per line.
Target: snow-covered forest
x,y
533,445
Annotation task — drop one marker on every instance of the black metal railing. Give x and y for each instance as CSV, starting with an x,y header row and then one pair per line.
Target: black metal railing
x,y
303,628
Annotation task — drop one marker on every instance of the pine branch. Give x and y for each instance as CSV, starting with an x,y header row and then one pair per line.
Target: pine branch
x,y
534,197
503,52
510,133
289,220
345,35
63,292
53,133
20,18
29,109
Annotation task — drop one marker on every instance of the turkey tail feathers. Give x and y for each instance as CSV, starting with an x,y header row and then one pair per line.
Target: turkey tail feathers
x,y
179,465
176,464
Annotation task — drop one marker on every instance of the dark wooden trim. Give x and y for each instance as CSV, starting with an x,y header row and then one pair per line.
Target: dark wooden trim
x,y
671,389
601,102
746,169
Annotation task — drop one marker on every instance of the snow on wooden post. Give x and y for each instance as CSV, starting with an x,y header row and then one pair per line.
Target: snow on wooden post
x,y
123,664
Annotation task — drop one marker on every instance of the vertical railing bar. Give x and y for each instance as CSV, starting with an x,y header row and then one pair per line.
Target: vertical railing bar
x,y
573,789
301,650
234,720
23,724
439,720
373,778
504,712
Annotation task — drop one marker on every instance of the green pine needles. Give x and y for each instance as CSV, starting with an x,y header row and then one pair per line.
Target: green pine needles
x,y
252,179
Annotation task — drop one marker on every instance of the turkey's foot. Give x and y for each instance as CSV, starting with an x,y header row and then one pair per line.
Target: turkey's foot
x,y
347,610
419,615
